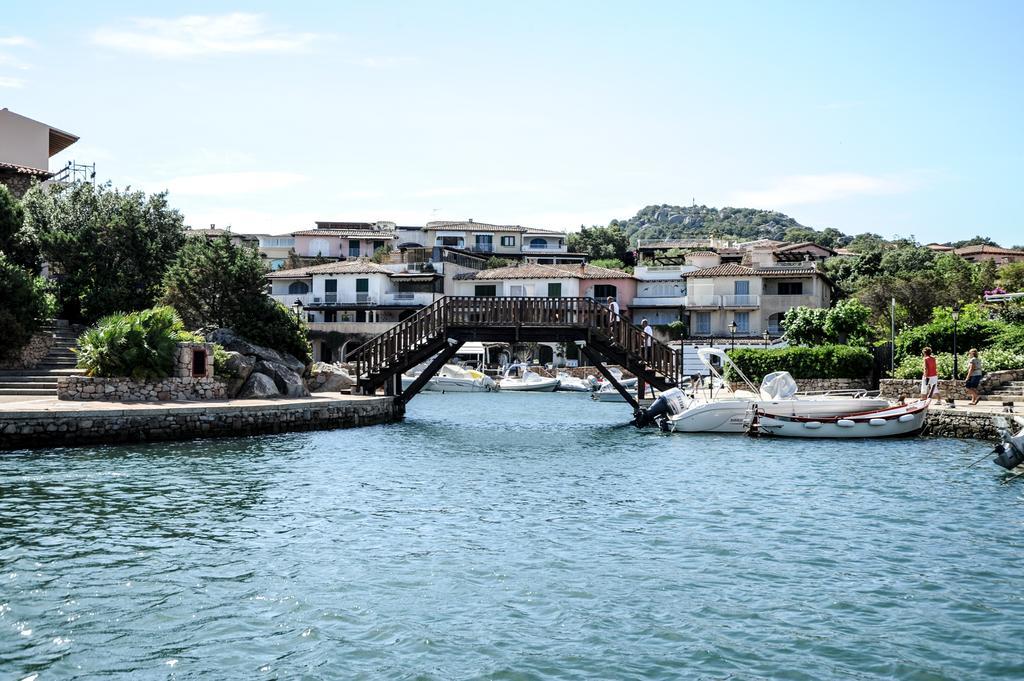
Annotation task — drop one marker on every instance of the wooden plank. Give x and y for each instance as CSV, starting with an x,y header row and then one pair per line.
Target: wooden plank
x,y
598,363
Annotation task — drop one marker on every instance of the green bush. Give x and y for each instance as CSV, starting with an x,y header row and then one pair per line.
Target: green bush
x,y
136,345
822,361
1010,338
991,360
27,305
973,330
220,362
271,324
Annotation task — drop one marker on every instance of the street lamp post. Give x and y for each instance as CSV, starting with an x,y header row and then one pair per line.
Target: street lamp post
x,y
732,330
956,317
766,337
297,309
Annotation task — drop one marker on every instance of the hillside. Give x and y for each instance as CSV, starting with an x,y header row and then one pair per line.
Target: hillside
x,y
680,222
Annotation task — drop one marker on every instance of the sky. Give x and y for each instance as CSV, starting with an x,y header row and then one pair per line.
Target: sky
x,y
900,118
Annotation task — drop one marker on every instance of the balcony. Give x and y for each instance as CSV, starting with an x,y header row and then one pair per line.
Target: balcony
x,y
661,272
408,298
369,328
703,300
289,299
776,303
547,248
741,301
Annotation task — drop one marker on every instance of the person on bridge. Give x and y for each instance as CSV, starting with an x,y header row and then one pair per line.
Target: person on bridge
x,y
614,308
648,339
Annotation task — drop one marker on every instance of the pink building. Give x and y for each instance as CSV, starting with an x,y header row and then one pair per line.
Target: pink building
x,y
343,240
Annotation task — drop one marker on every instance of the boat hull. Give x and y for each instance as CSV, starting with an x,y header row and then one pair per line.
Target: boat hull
x,y
515,385
733,416
895,422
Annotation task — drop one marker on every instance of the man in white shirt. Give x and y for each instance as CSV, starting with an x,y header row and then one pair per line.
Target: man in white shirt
x,y
614,307
648,338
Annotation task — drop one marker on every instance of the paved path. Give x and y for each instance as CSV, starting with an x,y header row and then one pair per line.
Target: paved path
x,y
51,405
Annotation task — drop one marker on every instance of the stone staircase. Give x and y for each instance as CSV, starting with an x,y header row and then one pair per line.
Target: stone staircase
x,y
1007,392
41,380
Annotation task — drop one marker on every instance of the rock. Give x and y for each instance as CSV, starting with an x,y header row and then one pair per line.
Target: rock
x,y
676,219
258,386
288,382
240,365
328,378
229,340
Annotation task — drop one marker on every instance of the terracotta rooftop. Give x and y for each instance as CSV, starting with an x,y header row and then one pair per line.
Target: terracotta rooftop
x,y
348,233
978,249
733,270
213,231
24,170
803,245
341,267
468,225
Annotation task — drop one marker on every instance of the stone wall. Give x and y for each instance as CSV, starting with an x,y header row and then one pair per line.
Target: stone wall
x,y
34,351
184,355
894,388
173,389
819,385
961,423
20,430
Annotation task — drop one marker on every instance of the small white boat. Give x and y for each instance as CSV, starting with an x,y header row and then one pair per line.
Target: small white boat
x,y
569,383
451,378
599,383
608,393
732,412
519,377
898,421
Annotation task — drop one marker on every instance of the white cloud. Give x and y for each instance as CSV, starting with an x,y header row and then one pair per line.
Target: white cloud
x,y
197,35
13,62
15,41
7,81
382,62
218,184
491,188
802,189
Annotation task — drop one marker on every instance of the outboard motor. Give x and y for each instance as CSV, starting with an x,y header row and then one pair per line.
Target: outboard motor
x,y
1010,450
671,402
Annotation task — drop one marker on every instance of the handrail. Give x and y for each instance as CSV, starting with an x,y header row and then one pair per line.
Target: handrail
x,y
451,312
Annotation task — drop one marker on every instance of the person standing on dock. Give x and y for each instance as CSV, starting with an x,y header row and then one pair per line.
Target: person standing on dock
x,y
974,374
929,376
648,339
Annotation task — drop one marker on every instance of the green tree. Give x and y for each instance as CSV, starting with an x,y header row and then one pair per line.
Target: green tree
x,y
26,305
600,243
847,323
16,241
805,325
612,264
494,262
985,276
382,254
866,242
108,248
1011,277
212,280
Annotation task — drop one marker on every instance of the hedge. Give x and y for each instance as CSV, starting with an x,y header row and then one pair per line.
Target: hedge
x,y
822,361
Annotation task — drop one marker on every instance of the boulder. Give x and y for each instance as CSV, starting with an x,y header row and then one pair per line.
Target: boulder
x,y
288,382
239,365
258,386
229,340
328,378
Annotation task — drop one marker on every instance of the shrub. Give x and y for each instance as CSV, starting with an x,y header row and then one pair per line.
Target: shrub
x,y
991,360
27,304
220,362
494,262
271,324
823,361
974,330
1010,338
136,345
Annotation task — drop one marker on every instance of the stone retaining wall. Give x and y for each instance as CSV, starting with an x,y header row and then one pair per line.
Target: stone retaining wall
x,y
819,385
894,388
961,423
20,430
174,389
34,351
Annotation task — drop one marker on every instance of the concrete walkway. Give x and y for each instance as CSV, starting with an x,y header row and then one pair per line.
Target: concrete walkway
x,y
26,406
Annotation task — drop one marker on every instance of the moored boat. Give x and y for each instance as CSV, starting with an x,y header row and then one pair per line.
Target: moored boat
x,y
519,377
569,383
898,421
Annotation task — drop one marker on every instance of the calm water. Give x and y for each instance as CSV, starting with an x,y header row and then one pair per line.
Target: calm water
x,y
510,536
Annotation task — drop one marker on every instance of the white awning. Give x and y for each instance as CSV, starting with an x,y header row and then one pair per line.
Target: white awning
x,y
471,349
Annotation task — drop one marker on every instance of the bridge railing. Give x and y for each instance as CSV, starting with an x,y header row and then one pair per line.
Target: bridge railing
x,y
432,321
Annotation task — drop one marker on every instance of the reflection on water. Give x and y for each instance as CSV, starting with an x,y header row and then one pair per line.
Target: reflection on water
x,y
509,536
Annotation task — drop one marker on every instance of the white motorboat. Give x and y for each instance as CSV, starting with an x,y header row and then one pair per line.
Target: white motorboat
x,y
452,378
617,373
897,421
608,393
732,411
519,377
569,383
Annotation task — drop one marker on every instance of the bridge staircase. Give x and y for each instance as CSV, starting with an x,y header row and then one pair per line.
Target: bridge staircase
x,y
440,329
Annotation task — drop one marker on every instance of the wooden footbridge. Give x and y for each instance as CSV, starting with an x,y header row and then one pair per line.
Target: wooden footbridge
x,y
440,329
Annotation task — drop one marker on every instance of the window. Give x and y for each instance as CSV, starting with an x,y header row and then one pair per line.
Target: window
x,y
377,245
538,243
518,290
319,247
555,289
485,242
605,291
742,323
452,241
353,248
791,288
508,241
485,290
703,322
297,288
741,288
331,291
362,285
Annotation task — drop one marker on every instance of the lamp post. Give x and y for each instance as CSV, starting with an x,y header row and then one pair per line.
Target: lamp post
x,y
956,316
297,309
766,337
732,330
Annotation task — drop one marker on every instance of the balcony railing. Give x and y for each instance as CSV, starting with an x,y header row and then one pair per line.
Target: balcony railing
x,y
547,248
779,303
741,300
658,301
703,300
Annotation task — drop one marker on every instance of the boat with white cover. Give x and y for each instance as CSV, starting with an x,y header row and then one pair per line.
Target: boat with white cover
x,y
599,383
519,377
732,411
452,378
898,421
569,383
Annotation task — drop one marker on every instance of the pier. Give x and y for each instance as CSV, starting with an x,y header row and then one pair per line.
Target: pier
x,y
440,329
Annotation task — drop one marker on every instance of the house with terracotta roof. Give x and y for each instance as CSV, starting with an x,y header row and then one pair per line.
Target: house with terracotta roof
x,y
341,240
549,281
26,146
212,232
350,301
513,242
982,252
